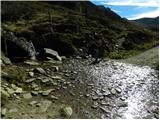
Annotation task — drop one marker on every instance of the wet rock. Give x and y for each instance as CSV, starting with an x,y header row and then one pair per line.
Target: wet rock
x,y
66,111
27,96
118,90
31,74
3,111
47,92
53,53
106,93
104,109
45,105
31,63
39,70
121,103
30,80
122,98
113,91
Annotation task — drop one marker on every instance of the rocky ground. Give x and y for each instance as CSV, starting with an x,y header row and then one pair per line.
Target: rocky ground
x,y
75,88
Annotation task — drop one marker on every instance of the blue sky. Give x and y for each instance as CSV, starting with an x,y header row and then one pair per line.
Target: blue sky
x,y
132,9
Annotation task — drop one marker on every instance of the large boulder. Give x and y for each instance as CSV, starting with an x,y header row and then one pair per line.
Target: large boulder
x,y
52,53
18,48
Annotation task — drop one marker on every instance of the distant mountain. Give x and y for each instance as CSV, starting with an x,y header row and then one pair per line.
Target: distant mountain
x,y
147,22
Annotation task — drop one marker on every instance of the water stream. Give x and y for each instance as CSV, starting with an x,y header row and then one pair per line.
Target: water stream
x,y
124,90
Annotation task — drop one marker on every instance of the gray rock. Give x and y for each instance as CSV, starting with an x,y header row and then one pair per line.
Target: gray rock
x,y
106,93
19,90
27,96
3,111
57,77
5,93
118,90
94,106
45,105
113,91
32,103
104,109
35,93
121,103
94,98
53,53
31,74
34,85
87,95
14,110
45,80
30,80
10,91
66,111
33,63
54,97
122,98
39,70
47,92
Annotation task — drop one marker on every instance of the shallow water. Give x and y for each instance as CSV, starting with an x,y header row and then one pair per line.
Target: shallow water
x,y
136,86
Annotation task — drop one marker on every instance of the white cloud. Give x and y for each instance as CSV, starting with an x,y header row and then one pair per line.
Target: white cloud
x,y
149,3
117,11
147,14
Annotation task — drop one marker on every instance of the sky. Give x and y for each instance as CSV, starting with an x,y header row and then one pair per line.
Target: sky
x,y
132,9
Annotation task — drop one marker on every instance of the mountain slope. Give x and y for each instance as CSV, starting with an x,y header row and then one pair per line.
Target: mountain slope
x,y
147,22
71,28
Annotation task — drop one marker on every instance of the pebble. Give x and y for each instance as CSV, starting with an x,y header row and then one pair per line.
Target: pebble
x,y
27,96
39,70
14,110
30,80
32,103
118,90
47,92
87,95
45,80
121,103
113,91
66,111
3,111
31,74
94,98
35,93
94,106
54,97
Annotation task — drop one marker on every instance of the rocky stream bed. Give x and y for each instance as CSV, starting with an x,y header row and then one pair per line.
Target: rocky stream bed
x,y
78,89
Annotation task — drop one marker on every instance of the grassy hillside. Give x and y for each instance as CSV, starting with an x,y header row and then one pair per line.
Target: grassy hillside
x,y
74,28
